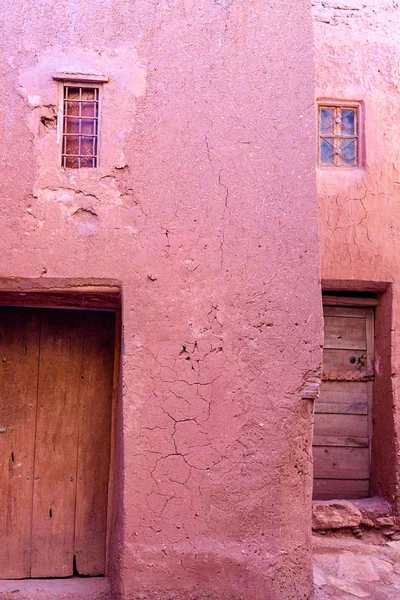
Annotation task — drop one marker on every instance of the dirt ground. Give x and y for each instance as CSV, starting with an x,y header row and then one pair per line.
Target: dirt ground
x,y
346,568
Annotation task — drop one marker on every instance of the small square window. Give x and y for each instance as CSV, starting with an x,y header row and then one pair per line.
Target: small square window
x,y
338,135
80,126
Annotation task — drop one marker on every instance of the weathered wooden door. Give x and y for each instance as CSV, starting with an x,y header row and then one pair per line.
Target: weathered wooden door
x,y
55,430
343,412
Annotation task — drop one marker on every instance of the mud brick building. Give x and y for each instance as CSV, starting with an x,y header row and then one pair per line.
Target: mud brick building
x,y
172,179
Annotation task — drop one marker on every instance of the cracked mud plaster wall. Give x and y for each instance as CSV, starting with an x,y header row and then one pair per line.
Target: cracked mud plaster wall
x,y
204,208
357,58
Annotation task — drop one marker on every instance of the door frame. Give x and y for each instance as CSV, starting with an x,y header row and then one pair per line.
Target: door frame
x,y
343,306
384,465
371,303
79,295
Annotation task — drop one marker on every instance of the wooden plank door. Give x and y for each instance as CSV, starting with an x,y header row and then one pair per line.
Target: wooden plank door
x,y
94,445
343,412
19,361
56,405
56,448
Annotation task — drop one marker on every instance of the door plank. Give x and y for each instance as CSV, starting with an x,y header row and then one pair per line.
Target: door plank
x,y
94,443
342,311
56,443
19,354
112,491
350,397
327,489
350,441
341,425
354,408
341,463
345,392
345,365
345,332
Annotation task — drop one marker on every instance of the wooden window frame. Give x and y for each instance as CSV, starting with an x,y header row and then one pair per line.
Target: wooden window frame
x,y
79,81
337,106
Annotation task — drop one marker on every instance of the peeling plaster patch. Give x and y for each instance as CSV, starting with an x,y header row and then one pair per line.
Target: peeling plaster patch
x,y
395,76
49,117
34,101
127,82
43,120
396,169
65,196
76,206
86,221
223,3
349,13
21,90
48,122
112,190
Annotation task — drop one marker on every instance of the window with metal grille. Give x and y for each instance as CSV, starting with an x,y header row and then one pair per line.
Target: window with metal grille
x,y
80,127
339,140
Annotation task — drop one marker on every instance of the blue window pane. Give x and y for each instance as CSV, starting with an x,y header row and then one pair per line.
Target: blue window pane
x,y
326,151
327,121
348,122
349,152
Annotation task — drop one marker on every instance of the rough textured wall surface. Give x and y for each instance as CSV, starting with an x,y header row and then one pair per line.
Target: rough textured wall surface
x,y
204,209
356,55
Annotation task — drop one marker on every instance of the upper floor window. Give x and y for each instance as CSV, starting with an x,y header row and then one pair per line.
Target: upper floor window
x,y
80,127
339,139
80,111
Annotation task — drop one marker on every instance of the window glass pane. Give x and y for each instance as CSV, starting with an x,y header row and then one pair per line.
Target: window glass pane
x,y
326,151
72,93
88,126
71,109
348,122
71,162
89,109
72,145
88,162
349,154
89,94
71,125
327,121
87,146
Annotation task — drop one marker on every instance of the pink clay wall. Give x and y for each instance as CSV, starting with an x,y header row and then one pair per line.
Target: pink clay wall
x,y
356,57
204,210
